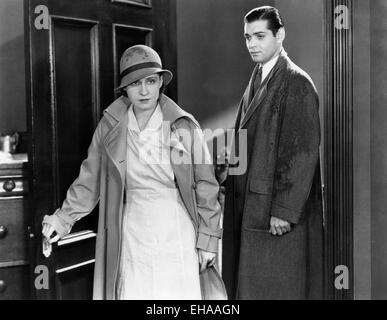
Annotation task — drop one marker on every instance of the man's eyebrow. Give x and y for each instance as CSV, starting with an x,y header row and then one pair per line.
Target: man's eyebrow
x,y
259,33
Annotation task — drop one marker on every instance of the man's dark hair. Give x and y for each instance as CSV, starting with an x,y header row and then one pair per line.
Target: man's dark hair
x,y
270,14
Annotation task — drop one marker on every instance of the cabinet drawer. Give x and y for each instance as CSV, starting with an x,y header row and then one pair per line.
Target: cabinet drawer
x,y
15,283
13,230
13,186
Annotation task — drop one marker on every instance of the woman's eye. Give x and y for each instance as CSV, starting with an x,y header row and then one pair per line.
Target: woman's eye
x,y
134,84
151,81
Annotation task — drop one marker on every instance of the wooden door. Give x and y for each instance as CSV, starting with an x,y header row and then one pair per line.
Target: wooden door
x,y
72,66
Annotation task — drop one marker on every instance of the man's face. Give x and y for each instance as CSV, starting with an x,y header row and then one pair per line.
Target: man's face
x,y
261,42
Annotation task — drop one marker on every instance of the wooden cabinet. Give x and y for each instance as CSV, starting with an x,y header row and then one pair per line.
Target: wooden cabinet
x,y
14,230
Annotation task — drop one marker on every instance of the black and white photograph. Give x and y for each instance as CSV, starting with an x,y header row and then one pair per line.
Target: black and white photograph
x,y
205,152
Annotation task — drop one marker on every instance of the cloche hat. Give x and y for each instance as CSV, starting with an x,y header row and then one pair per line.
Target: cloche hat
x,y
141,61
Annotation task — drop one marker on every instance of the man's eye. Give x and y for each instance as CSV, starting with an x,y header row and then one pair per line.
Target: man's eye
x,y
261,37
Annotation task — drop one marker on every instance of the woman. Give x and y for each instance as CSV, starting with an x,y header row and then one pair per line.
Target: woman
x,y
158,213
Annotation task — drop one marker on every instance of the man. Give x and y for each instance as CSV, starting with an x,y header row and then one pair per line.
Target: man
x,y
273,212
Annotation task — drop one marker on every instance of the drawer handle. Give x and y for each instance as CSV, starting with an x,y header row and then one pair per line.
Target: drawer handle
x,y
3,286
3,232
9,185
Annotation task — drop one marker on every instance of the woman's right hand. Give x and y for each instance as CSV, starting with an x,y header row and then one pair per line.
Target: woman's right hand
x,y
47,231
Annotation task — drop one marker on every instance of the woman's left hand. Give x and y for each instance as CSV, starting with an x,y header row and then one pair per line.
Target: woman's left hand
x,y
206,259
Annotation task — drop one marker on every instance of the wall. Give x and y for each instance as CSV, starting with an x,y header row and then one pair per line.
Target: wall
x,y
362,150
214,66
305,38
370,151
378,34
12,70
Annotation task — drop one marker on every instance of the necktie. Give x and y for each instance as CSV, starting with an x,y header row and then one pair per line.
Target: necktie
x,y
257,81
256,84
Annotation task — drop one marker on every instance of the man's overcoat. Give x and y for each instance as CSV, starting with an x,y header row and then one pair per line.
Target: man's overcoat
x,y
282,180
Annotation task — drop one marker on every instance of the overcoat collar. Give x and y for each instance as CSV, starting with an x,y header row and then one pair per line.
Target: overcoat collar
x,y
116,114
260,95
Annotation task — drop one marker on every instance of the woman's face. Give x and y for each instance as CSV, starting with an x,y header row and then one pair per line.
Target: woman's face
x,y
144,93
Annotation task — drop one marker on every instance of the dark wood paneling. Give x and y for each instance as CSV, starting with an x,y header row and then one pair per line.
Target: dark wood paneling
x,y
75,86
76,106
74,253
141,3
14,218
338,150
165,39
15,282
77,284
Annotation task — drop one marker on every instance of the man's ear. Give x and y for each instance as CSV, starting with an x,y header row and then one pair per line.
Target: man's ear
x,y
281,34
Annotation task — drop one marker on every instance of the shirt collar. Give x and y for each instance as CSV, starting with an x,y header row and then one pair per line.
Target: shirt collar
x,y
153,124
266,68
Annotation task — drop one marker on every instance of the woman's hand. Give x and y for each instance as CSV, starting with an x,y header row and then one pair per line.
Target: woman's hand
x,y
206,259
47,231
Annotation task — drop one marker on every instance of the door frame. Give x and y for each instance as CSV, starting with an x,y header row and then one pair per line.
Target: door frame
x,y
338,149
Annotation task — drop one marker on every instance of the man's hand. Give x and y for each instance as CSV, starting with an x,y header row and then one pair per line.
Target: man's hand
x,y
206,259
279,226
221,168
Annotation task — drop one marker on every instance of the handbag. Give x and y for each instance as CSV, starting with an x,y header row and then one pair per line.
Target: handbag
x,y
212,285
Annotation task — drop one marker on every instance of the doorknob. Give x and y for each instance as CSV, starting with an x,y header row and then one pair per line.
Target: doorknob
x,y
9,185
3,232
3,286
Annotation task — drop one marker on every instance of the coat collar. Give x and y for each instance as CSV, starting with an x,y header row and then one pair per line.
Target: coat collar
x,y
261,93
171,111
117,115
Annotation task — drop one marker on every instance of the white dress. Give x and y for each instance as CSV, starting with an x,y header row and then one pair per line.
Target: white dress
x,y
158,259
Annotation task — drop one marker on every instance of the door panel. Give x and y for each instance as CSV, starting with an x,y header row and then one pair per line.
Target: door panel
x,y
72,69
76,103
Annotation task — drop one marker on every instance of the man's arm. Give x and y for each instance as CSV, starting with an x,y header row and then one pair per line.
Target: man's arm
x,y
298,153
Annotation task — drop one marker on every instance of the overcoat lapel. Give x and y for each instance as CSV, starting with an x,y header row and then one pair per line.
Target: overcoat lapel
x,y
260,95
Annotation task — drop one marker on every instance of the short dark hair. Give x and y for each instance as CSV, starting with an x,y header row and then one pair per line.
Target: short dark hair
x,y
268,13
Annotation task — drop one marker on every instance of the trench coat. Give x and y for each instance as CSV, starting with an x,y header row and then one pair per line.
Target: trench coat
x,y
102,179
282,180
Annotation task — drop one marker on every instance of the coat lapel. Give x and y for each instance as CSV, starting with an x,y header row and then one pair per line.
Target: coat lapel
x,y
262,92
115,141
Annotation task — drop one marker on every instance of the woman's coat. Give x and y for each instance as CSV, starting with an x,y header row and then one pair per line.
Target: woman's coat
x,y
102,178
